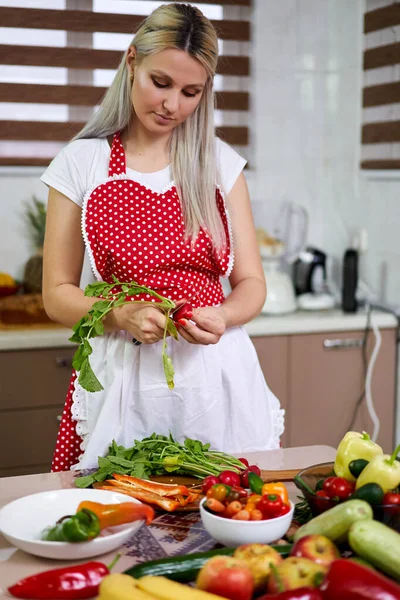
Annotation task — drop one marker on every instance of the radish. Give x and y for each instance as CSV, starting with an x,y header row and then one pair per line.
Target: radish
x,y
183,312
229,478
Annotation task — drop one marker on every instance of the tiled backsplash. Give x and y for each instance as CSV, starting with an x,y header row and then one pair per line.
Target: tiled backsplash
x,y
305,127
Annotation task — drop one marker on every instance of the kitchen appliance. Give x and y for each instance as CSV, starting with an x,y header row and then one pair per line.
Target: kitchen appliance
x,y
310,280
278,252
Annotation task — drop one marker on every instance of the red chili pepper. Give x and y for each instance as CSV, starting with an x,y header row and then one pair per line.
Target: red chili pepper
x,y
303,593
76,582
348,580
391,498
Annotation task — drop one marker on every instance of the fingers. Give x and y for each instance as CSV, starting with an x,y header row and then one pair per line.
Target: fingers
x,y
195,335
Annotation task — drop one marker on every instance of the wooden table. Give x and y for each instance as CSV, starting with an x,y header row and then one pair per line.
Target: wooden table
x,y
168,535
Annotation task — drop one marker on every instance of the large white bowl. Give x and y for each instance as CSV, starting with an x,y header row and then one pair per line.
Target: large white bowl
x,y
23,520
230,532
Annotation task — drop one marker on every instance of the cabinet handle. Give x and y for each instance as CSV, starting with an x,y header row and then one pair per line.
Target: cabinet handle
x,y
61,361
342,344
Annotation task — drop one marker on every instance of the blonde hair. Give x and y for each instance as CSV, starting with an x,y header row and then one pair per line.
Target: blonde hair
x,y
183,27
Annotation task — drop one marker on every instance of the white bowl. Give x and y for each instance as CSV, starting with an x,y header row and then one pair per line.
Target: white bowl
x,y
232,533
23,520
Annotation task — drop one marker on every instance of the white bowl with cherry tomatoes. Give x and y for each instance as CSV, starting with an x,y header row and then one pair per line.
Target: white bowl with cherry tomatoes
x,y
234,532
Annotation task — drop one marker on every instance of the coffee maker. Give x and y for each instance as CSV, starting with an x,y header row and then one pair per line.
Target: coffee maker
x,y
310,280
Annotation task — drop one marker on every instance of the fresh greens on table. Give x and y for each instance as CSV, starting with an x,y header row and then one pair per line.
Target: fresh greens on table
x,y
159,455
91,325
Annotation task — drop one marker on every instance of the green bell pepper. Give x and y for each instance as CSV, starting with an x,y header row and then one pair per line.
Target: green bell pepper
x,y
81,527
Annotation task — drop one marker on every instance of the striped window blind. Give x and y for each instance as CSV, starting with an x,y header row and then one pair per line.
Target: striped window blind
x,y
381,93
57,58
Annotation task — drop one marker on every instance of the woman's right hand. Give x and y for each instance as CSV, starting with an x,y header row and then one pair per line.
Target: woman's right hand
x,y
144,322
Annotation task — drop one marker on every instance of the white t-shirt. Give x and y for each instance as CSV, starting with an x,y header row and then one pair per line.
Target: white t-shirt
x,y
83,164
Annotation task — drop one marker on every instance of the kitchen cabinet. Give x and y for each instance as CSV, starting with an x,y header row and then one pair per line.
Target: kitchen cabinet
x,y
33,387
319,378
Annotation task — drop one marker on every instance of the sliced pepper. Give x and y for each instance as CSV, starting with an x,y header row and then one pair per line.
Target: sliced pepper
x,y
352,447
81,527
277,488
383,470
168,504
162,489
110,515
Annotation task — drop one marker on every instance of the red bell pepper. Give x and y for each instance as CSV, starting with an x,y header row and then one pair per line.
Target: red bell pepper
x,y
349,580
75,583
303,593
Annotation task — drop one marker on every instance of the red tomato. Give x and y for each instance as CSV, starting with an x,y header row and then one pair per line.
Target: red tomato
x,y
244,476
229,478
270,505
242,492
338,487
244,461
391,498
208,482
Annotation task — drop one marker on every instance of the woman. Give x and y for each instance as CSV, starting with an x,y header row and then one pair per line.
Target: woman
x,y
114,181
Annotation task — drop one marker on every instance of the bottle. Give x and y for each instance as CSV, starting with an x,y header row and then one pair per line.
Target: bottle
x,y
350,280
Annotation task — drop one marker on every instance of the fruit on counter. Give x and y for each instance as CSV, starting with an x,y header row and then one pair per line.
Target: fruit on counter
x,y
77,581
378,544
81,527
186,568
295,572
165,589
258,557
352,447
110,515
382,469
118,586
347,579
316,547
370,492
7,281
303,593
228,577
335,522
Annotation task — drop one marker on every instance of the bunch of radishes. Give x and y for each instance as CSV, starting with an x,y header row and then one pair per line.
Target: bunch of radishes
x,y
238,481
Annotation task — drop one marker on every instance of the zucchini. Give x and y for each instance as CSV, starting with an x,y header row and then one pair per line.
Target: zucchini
x,y
357,465
378,544
186,568
370,492
335,522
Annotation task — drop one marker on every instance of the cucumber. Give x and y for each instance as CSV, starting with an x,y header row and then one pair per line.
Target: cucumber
x,y
186,568
335,522
370,492
255,482
357,465
378,544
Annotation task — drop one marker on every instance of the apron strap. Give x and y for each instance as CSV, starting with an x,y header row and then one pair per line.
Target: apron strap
x,y
117,165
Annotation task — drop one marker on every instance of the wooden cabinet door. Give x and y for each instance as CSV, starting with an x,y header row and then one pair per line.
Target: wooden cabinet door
x,y
274,360
325,385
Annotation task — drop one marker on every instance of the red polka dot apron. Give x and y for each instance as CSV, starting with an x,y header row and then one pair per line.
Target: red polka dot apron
x,y
136,233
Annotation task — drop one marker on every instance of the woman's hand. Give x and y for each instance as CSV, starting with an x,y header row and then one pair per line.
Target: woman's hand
x,y
145,322
210,325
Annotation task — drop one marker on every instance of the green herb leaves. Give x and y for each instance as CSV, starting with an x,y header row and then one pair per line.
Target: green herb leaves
x,y
91,325
157,455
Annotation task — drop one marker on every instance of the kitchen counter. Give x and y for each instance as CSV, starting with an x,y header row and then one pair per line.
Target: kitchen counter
x,y
167,535
292,324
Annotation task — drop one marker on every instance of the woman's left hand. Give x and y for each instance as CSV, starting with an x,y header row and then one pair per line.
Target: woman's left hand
x,y
208,327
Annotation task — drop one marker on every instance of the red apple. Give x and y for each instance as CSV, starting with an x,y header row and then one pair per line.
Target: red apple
x,y
227,577
295,572
258,558
318,548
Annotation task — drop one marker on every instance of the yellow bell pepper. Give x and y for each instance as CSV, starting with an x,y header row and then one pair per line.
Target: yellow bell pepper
x,y
383,470
353,446
277,488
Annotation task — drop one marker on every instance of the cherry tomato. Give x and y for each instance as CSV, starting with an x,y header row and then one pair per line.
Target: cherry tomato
x,y
322,494
244,461
391,498
270,505
220,492
208,482
320,501
242,492
229,478
233,495
244,476
338,487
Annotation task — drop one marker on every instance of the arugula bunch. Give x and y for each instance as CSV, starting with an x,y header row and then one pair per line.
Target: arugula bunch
x,y
158,455
91,325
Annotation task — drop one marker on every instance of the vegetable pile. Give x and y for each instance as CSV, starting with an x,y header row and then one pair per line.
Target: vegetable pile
x,y
160,455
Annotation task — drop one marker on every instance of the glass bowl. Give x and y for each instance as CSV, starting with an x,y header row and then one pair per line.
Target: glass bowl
x,y
385,513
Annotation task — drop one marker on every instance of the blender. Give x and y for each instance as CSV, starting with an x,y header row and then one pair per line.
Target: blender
x,y
278,253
